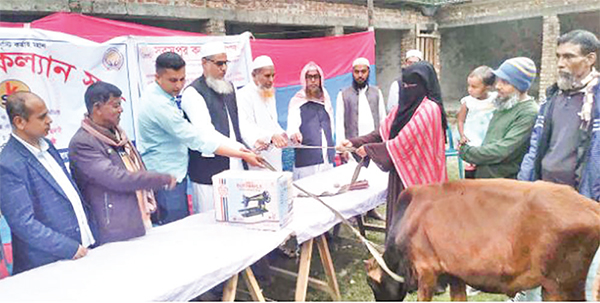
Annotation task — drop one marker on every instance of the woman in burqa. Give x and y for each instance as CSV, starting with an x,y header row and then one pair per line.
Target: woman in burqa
x,y
410,142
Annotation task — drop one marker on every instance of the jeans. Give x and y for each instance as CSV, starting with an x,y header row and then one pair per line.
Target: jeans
x,y
172,205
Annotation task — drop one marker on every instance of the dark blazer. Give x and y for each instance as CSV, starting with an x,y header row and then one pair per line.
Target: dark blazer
x,y
42,220
109,188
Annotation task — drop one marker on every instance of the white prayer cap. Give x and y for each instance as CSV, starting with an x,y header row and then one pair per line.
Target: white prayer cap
x,y
361,61
262,61
212,48
414,53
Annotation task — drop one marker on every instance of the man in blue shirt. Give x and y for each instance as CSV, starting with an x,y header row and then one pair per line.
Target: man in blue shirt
x,y
166,136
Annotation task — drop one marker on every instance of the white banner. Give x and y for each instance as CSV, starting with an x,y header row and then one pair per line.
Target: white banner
x,y
60,67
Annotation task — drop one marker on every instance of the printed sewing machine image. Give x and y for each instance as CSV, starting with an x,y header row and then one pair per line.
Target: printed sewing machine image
x,y
255,199
261,199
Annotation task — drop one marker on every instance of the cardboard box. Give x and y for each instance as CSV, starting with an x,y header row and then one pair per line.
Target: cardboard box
x,y
257,199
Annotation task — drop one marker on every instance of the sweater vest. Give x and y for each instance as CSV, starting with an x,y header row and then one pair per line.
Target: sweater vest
x,y
200,168
314,118
350,97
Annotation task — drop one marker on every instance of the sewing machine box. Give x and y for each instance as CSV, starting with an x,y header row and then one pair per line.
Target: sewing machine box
x,y
258,199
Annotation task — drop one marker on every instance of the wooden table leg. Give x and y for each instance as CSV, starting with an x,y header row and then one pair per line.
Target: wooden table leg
x,y
252,285
230,289
328,267
303,271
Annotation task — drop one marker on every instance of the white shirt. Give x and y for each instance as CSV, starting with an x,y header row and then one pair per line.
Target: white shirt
x,y
194,105
393,96
365,117
478,118
59,175
258,121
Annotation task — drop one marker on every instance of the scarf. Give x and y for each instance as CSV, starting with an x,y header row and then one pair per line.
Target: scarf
x,y
131,159
587,86
418,81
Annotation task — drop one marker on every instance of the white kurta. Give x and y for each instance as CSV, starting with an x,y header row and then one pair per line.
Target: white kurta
x,y
365,117
393,96
258,121
194,105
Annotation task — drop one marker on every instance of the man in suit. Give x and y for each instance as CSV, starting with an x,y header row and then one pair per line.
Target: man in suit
x,y
40,201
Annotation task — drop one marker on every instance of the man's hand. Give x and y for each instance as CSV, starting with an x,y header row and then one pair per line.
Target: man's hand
x,y
250,157
361,152
296,138
81,252
172,184
279,140
261,144
463,140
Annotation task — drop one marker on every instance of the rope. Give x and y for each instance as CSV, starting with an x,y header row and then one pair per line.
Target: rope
x,y
370,246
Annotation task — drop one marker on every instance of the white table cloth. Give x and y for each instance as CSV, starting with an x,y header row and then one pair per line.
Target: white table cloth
x,y
183,259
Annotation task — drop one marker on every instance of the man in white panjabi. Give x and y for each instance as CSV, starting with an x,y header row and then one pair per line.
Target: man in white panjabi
x,y
210,102
258,113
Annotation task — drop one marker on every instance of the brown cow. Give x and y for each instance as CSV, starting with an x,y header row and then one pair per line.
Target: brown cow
x,y
499,236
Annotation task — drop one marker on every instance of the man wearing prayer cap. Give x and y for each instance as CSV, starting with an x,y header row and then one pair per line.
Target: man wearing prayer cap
x,y
209,102
359,109
258,113
310,123
507,138
413,56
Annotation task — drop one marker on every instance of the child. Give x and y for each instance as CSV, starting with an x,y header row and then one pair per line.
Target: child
x,y
476,110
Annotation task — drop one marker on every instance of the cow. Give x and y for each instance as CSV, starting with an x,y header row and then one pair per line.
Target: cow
x,y
497,235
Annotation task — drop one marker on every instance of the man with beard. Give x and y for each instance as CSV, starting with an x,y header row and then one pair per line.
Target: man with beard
x,y
209,103
165,137
507,138
359,109
258,113
565,145
310,123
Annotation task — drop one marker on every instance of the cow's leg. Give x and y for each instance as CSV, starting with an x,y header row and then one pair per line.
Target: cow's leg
x,y
458,289
427,284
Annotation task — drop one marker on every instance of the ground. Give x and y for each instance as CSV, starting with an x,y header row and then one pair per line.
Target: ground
x,y
348,254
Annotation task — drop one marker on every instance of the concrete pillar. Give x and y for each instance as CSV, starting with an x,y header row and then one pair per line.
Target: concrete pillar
x,y
215,27
388,58
335,31
548,70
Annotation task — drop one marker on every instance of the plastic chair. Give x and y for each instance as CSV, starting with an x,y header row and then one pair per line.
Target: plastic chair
x,y
453,152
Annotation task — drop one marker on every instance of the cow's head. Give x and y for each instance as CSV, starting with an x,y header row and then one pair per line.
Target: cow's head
x,y
384,287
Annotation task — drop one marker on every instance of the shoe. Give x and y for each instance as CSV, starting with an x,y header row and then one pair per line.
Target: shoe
x,y
373,214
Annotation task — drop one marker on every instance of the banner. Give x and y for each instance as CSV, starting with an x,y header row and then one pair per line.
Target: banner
x,y
59,68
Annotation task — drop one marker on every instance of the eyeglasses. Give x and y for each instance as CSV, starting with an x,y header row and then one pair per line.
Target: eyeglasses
x,y
218,63
313,77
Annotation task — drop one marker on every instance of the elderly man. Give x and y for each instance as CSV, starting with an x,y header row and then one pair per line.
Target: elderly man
x,y
109,171
165,136
310,123
507,138
412,56
209,103
38,197
564,143
258,113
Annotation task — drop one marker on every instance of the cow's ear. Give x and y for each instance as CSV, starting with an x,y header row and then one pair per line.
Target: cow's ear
x,y
374,271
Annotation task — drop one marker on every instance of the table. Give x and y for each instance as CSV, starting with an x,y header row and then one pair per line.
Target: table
x,y
186,258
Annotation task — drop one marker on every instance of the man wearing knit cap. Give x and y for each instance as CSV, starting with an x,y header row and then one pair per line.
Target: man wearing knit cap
x,y
258,113
209,103
359,109
565,143
507,137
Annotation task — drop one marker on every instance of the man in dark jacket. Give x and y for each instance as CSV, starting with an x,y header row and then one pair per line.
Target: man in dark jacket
x,y
40,201
109,171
